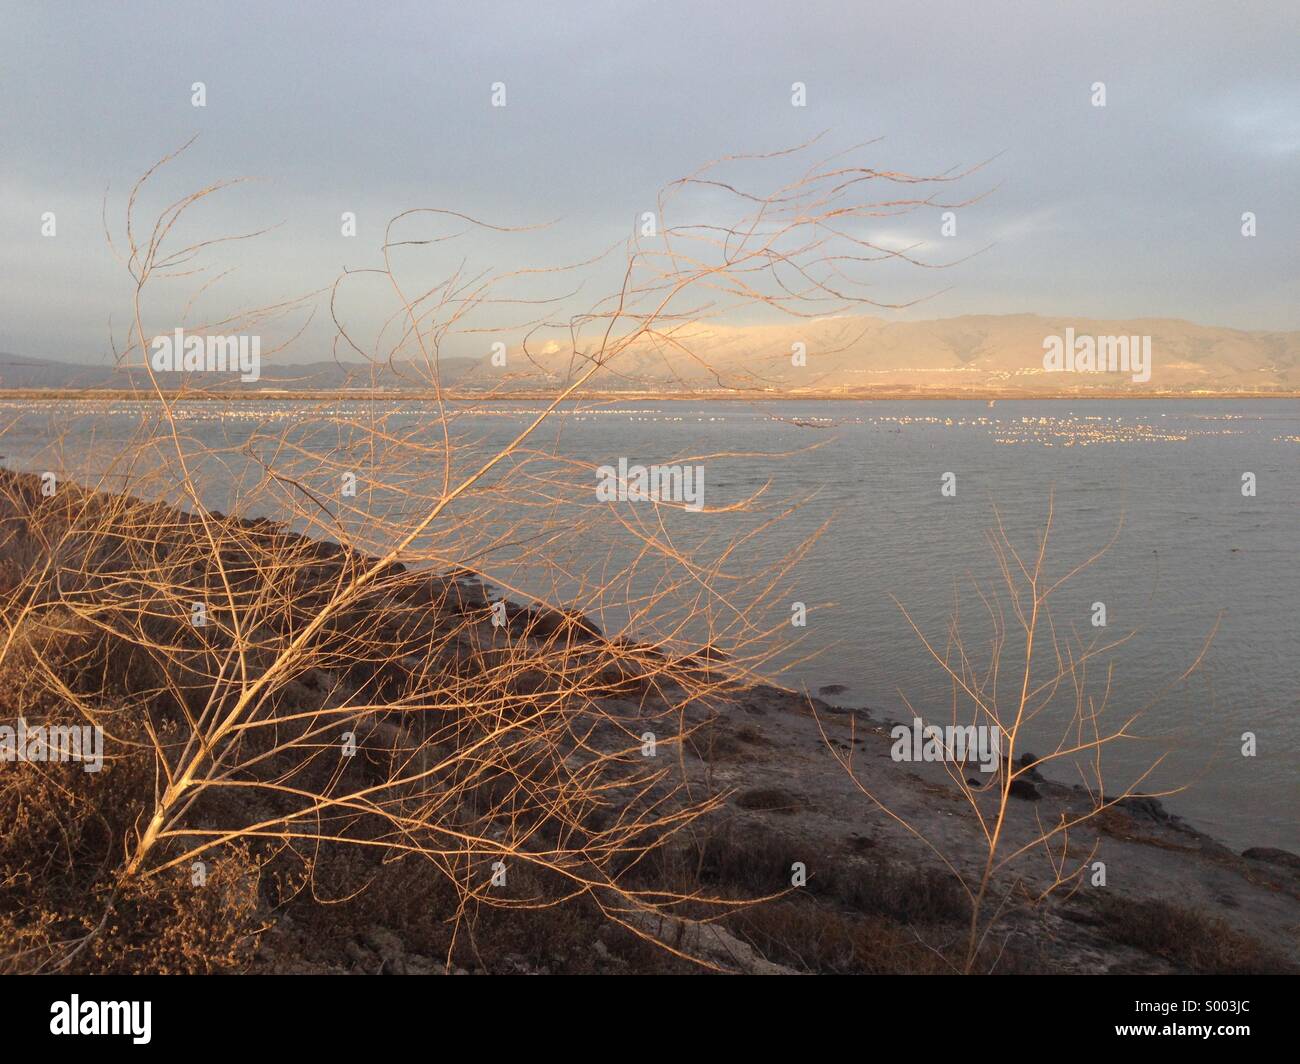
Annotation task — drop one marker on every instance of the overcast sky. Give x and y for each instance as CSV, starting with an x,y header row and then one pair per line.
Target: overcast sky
x,y
1129,210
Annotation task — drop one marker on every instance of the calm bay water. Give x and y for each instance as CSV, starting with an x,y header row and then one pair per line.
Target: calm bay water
x,y
1192,552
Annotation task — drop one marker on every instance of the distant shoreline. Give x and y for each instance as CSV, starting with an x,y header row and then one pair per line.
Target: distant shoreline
x,y
451,395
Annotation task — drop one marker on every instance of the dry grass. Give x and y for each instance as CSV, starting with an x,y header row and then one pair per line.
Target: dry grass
x,y
1012,667
1192,943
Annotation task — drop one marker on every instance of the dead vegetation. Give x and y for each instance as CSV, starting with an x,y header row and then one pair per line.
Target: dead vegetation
x,y
324,636
1011,668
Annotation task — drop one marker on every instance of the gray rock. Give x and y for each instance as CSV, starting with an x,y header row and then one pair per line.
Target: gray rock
x,y
1024,789
1140,805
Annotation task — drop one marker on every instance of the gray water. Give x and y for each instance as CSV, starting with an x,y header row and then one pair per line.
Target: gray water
x,y
1192,552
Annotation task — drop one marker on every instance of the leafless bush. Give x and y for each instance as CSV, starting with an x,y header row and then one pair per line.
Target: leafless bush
x,y
294,668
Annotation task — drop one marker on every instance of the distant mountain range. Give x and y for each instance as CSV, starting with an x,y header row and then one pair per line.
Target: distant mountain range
x,y
21,374
981,355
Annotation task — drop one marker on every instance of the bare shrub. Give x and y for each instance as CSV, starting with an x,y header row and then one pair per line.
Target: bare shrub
x,y
1017,667
286,669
